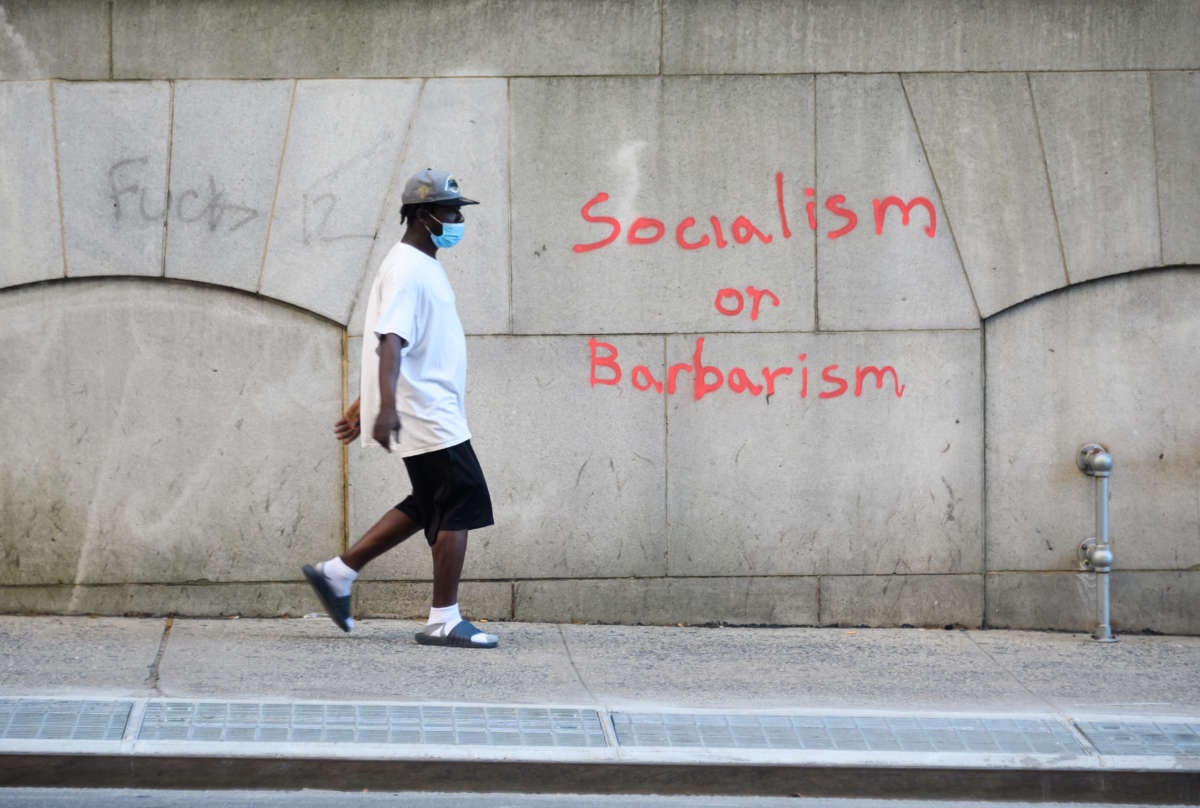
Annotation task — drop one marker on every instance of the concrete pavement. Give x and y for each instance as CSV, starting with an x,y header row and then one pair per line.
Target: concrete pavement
x,y
241,703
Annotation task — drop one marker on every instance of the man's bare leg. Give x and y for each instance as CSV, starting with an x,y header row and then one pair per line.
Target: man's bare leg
x,y
332,579
446,626
392,528
449,553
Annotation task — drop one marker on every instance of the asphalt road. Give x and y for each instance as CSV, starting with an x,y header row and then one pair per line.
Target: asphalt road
x,y
126,798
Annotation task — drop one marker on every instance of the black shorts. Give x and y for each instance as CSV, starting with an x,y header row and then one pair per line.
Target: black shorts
x,y
449,491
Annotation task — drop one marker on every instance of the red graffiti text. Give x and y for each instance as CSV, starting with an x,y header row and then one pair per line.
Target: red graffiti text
x,y
702,379
691,234
731,302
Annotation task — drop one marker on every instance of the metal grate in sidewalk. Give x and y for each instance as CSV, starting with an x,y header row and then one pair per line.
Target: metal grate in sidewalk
x,y
365,723
1142,737
63,720
846,733
47,719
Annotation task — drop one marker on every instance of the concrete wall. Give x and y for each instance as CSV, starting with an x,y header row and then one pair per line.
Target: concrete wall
x,y
697,397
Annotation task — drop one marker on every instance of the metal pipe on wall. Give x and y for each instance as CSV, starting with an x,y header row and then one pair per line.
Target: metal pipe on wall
x,y
1096,553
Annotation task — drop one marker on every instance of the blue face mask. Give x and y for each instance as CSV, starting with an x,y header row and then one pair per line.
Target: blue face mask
x,y
452,233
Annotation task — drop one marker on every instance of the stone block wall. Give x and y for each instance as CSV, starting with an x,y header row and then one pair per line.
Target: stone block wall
x,y
780,313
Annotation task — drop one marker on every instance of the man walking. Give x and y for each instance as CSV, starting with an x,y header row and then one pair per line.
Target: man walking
x,y
414,370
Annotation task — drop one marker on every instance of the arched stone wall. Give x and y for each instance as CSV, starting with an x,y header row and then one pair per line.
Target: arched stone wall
x,y
157,451
1111,361
647,177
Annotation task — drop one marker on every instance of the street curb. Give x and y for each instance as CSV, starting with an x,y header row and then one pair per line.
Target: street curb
x,y
208,772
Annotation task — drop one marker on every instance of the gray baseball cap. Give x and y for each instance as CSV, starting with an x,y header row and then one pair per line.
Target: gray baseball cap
x,y
432,187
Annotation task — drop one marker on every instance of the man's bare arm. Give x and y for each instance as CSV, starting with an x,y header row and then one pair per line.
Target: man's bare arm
x,y
387,423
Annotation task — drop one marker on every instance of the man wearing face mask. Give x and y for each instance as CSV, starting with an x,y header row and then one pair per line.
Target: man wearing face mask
x,y
414,367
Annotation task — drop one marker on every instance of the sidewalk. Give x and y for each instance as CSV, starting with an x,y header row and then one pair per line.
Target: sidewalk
x,y
241,703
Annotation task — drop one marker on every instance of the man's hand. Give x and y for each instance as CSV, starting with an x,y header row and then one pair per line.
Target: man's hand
x,y
348,427
387,424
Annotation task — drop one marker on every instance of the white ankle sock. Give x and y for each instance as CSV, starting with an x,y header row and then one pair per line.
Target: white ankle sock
x,y
340,576
448,616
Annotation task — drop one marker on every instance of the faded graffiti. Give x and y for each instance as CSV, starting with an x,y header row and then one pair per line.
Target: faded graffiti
x,y
132,198
315,226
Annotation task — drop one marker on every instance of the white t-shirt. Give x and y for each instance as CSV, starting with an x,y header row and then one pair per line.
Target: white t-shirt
x,y
411,298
